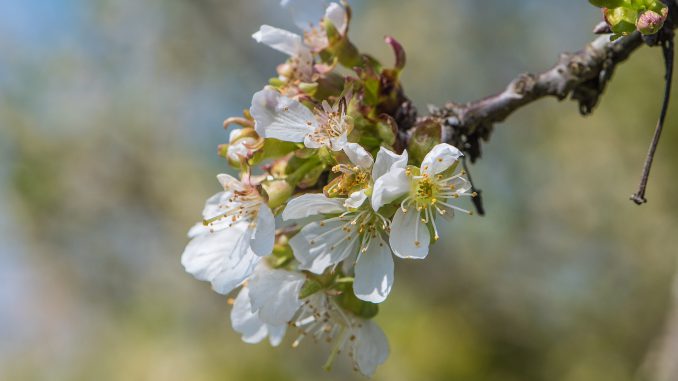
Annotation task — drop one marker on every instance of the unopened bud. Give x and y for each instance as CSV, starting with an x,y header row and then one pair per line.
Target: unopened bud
x,y
278,191
242,133
240,147
650,22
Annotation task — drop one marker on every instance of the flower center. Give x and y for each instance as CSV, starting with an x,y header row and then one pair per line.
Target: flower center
x,y
332,123
429,195
352,179
425,190
362,226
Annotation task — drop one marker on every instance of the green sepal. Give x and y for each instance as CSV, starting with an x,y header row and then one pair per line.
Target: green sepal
x,y
276,82
341,47
622,20
387,129
348,301
329,85
309,89
309,288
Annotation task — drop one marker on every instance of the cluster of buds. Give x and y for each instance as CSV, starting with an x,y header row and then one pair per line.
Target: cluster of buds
x,y
326,195
626,16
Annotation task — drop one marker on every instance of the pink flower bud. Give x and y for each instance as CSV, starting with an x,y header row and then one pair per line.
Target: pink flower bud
x,y
649,22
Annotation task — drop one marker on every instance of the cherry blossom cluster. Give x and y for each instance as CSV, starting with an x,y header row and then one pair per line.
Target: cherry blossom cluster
x,y
328,192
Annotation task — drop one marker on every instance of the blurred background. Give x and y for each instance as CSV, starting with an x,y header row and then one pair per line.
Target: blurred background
x,y
110,114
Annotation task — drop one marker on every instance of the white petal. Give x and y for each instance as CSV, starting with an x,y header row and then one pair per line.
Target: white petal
x,y
374,272
406,230
339,142
460,184
279,39
337,16
348,265
387,160
356,199
358,155
276,334
229,182
301,248
198,229
279,117
304,12
389,187
312,204
222,257
275,295
371,347
244,321
234,134
320,245
237,150
248,324
441,157
214,205
264,233
311,142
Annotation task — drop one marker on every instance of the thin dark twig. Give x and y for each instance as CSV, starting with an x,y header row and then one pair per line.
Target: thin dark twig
x,y
477,199
668,51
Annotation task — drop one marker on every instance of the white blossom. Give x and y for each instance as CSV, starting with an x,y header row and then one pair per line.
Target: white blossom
x,y
269,302
362,339
305,17
353,235
266,304
283,118
427,190
238,229
300,64
365,170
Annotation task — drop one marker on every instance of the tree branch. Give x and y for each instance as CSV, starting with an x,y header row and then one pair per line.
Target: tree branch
x,y
581,75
